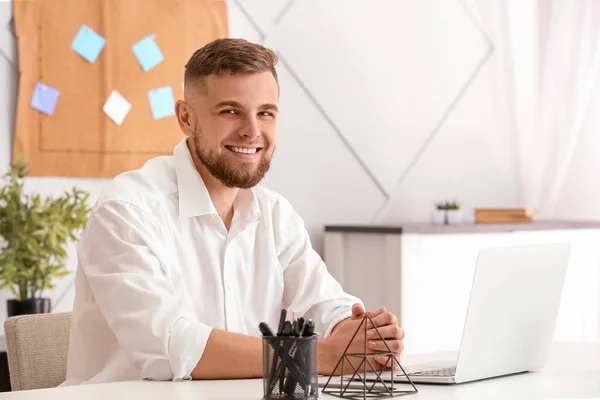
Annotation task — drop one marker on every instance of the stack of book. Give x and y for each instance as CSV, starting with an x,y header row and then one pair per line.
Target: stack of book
x,y
503,215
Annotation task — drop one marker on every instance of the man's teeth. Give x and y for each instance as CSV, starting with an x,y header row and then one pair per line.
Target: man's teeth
x,y
243,150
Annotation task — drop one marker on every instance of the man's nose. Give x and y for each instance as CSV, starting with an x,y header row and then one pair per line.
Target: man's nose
x,y
251,128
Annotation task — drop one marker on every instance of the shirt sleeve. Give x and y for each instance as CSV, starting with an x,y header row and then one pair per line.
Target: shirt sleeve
x,y
310,290
119,255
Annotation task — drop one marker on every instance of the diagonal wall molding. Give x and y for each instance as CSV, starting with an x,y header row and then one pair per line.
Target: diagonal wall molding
x,y
333,125
380,214
312,99
283,12
250,20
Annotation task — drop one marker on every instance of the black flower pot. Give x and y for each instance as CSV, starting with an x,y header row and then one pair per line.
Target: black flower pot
x,y
30,306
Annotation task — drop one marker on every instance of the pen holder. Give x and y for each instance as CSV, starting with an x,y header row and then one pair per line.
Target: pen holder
x,y
290,368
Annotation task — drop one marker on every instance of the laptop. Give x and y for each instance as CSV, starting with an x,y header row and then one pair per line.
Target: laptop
x,y
510,318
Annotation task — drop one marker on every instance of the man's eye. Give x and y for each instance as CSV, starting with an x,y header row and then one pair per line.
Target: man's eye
x,y
266,114
228,112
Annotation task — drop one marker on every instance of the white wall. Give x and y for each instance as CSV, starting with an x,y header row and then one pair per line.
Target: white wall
x,y
387,107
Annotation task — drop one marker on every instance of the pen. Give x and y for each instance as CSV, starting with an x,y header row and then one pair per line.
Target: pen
x,y
278,367
281,321
277,358
285,350
288,360
308,329
295,329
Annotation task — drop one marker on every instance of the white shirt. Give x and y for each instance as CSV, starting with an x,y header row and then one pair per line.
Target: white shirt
x,y
158,271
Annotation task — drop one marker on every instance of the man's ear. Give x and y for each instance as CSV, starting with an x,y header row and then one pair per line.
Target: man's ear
x,y
184,118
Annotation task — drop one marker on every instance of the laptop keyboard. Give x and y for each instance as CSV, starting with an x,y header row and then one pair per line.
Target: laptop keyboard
x,y
436,372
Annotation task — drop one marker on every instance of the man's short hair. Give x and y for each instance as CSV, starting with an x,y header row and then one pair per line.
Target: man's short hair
x,y
232,56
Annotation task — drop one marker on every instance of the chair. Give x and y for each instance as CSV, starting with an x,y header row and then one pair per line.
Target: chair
x,y
37,347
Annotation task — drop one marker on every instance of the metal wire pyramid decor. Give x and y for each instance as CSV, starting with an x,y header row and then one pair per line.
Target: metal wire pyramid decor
x,y
357,386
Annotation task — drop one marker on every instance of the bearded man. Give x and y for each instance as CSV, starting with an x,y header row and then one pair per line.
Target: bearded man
x,y
182,259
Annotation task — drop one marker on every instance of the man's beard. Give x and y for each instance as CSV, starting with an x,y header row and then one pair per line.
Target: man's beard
x,y
231,175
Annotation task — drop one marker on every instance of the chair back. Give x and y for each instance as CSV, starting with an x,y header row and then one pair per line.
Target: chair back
x,y
37,346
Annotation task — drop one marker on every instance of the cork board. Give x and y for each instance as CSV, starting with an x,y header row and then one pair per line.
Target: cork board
x,y
79,139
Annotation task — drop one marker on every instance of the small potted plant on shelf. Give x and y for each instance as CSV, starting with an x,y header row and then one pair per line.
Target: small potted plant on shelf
x,y
453,213
34,233
438,217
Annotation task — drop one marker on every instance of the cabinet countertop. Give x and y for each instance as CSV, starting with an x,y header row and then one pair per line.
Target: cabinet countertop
x,y
465,227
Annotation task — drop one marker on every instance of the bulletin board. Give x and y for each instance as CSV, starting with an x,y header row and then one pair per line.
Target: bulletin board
x,y
73,136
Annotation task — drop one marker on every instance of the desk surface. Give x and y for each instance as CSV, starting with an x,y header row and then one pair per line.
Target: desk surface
x,y
573,372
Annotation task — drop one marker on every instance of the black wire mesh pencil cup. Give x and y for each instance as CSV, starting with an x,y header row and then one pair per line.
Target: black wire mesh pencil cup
x,y
290,368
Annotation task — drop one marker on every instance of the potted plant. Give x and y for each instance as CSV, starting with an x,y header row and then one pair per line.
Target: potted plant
x,y
34,232
438,217
453,213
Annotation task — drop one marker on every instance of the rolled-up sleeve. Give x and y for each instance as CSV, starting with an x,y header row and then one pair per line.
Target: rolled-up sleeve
x,y
310,290
120,255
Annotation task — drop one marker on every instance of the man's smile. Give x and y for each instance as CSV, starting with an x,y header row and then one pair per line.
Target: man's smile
x,y
244,150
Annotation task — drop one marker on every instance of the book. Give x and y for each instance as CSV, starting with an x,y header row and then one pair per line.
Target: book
x,y
503,215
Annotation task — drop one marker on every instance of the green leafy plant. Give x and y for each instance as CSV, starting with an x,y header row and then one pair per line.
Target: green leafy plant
x,y
34,233
448,205
452,205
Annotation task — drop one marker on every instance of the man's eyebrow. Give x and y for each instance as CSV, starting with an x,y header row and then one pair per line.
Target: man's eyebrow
x,y
235,104
269,106
228,103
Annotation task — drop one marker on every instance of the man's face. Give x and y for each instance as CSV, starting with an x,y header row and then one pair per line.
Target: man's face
x,y
232,123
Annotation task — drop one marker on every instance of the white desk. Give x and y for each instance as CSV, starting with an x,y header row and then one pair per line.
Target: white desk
x,y
573,372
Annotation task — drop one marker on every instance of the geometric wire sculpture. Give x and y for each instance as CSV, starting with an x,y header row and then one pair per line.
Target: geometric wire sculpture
x,y
373,387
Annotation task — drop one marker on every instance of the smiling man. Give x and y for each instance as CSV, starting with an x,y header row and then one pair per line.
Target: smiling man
x,y
182,259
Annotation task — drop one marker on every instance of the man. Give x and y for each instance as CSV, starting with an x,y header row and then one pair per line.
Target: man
x,y
181,260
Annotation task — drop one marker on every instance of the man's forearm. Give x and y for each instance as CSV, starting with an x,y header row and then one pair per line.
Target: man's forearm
x,y
230,356
234,356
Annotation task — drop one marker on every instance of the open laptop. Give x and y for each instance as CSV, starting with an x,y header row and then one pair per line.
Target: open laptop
x,y
511,315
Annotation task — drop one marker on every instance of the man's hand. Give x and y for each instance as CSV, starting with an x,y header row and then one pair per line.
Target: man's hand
x,y
333,347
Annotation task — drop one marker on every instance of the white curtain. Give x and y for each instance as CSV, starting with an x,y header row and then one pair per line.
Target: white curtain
x,y
569,80
546,86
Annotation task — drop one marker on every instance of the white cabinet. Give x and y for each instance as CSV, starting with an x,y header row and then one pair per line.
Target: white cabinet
x,y
425,278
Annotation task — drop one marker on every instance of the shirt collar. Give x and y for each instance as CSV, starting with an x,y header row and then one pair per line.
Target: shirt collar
x,y
246,205
194,199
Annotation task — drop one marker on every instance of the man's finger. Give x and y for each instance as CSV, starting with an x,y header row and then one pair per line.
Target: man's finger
x,y
383,319
375,313
385,362
357,310
396,346
387,332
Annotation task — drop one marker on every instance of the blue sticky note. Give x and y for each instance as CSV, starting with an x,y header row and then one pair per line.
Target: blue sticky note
x,y
88,44
162,102
147,53
44,98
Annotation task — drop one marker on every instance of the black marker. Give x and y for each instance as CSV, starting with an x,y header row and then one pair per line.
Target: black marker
x,y
265,329
287,329
309,328
300,325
